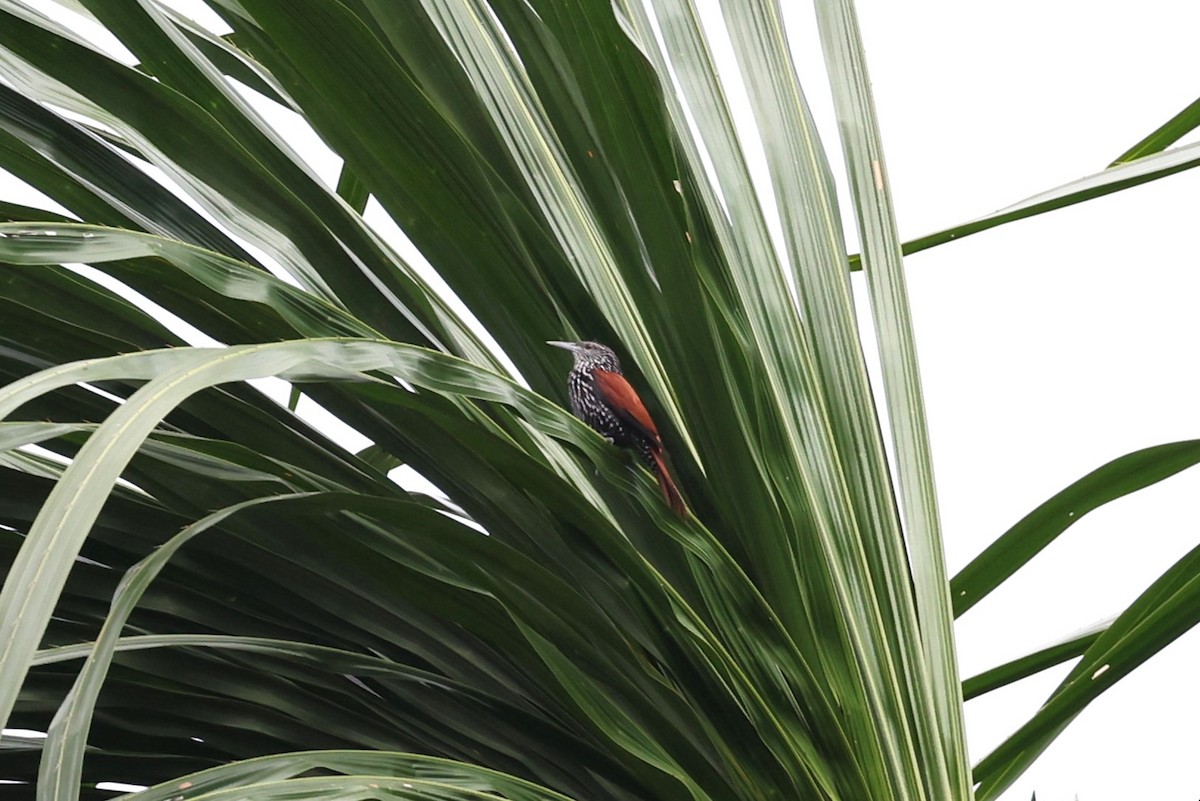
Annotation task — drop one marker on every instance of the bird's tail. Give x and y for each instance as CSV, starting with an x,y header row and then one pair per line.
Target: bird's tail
x,y
666,485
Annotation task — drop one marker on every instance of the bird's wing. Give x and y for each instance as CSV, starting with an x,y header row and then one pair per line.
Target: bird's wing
x,y
623,399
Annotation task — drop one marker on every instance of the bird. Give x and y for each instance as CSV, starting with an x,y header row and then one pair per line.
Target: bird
x,y
604,399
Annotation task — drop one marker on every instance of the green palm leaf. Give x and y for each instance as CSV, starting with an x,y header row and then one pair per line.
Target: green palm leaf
x,y
262,612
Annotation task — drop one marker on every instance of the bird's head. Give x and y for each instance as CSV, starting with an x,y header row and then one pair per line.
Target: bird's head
x,y
590,354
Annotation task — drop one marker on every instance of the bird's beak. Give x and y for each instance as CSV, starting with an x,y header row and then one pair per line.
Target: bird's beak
x,y
571,346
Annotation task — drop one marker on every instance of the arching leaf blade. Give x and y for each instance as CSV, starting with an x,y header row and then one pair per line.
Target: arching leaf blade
x,y
1167,609
1113,179
1035,662
1164,136
1018,545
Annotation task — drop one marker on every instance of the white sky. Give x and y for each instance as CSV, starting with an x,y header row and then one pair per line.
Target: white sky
x,y
1052,345
1049,346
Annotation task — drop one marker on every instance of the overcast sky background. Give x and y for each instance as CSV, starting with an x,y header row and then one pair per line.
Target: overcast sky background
x,y
1053,345
1048,347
